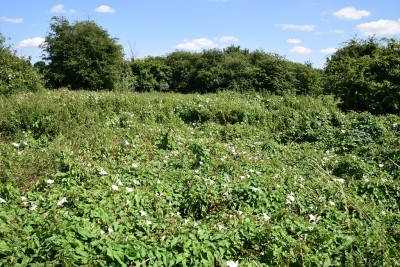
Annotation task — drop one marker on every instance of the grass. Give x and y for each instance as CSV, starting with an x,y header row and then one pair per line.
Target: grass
x,y
151,179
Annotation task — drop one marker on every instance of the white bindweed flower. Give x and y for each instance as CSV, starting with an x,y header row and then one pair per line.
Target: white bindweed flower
x,y
62,201
102,172
266,217
15,144
381,165
136,182
312,218
110,230
143,213
290,198
114,187
128,202
310,228
50,181
331,203
23,198
158,181
148,222
119,182
135,165
221,226
127,143
102,232
340,180
255,189
33,207
2,200
129,190
232,263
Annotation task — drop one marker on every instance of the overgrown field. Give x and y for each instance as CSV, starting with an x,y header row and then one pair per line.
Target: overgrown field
x,y
106,179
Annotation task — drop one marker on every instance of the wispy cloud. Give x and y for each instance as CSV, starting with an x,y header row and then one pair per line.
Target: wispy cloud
x,y
105,9
197,44
380,27
61,9
11,20
294,41
229,39
300,50
350,13
298,27
327,51
31,42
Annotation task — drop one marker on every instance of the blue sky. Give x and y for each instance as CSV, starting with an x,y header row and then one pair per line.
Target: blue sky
x,y
300,30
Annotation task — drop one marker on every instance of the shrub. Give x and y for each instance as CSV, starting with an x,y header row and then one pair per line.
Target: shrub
x,y
16,74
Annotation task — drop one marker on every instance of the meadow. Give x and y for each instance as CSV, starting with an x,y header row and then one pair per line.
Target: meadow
x,y
167,179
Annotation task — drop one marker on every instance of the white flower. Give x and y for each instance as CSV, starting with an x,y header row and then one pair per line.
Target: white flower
x,y
232,263
290,198
50,181
143,213
381,165
110,230
158,181
2,200
119,182
128,202
33,207
255,189
310,228
15,144
221,226
102,172
148,222
102,232
136,182
331,203
135,165
266,217
114,187
23,198
312,218
126,143
340,180
62,201
129,190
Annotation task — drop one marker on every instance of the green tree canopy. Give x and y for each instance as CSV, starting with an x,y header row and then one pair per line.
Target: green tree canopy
x,y
365,74
82,55
16,74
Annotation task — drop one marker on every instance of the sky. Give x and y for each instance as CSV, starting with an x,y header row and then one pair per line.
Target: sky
x,y
300,30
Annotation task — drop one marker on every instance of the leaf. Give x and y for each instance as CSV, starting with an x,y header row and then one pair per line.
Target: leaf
x,y
4,248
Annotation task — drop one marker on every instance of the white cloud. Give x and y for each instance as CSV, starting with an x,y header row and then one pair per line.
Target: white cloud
x,y
301,50
31,43
298,27
105,9
350,13
338,31
61,9
229,39
294,41
380,27
329,50
11,20
197,44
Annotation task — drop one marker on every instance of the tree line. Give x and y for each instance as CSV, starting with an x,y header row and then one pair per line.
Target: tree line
x,y
363,73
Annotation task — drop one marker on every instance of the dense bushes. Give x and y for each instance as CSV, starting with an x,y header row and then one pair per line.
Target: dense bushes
x,y
365,74
16,74
232,68
82,55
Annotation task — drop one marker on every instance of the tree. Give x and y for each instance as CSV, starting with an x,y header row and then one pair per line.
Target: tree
x,y
16,74
82,55
365,74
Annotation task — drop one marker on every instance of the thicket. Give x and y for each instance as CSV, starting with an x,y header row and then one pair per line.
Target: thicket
x,y
231,68
82,55
365,74
16,74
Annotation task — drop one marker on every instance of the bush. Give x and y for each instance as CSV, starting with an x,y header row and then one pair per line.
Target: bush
x,y
16,74
365,74
82,55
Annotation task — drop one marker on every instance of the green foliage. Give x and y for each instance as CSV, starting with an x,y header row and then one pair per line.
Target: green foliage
x,y
82,55
152,74
365,74
16,74
153,179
